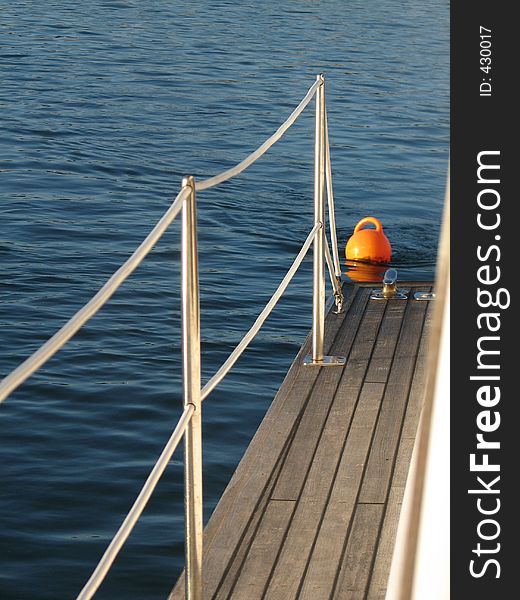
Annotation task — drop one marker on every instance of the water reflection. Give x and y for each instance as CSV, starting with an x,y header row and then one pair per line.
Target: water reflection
x,y
362,272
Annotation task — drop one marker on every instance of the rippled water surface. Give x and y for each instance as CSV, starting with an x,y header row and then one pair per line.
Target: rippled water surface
x,y
103,107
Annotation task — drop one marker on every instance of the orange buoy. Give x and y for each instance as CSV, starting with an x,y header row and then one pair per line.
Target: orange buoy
x,y
369,245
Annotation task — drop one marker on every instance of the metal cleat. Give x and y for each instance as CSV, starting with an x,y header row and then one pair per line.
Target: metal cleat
x,y
389,290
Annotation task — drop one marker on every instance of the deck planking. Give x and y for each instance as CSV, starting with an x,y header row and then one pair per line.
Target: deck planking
x,y
312,510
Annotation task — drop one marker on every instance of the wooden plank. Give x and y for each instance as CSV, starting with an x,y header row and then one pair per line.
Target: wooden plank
x,y
366,336
303,447
388,430
232,571
383,560
307,437
415,403
303,531
252,475
318,531
355,569
385,548
263,552
386,343
379,577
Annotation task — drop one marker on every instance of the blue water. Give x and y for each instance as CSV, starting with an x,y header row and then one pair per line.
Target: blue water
x,y
104,106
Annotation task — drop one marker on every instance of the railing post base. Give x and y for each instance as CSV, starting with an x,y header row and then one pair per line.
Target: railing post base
x,y
326,361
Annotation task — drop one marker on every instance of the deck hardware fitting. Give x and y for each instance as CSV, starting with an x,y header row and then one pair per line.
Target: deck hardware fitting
x,y
389,290
339,299
424,296
326,361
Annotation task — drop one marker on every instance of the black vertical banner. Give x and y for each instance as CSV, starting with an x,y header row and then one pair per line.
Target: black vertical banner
x,y
485,249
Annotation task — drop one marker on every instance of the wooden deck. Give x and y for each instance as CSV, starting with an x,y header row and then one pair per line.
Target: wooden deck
x,y
312,509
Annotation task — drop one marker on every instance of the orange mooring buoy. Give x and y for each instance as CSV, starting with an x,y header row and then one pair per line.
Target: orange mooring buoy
x,y
369,245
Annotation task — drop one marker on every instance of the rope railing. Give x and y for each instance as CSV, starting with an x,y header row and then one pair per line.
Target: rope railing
x,y
63,335
330,199
135,512
335,281
255,328
132,517
189,422
254,156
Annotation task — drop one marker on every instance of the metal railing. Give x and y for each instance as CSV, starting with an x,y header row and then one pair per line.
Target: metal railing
x,y
189,425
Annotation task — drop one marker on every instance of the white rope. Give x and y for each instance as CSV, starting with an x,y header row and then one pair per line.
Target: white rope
x,y
224,176
333,279
51,346
234,356
36,360
330,198
124,531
